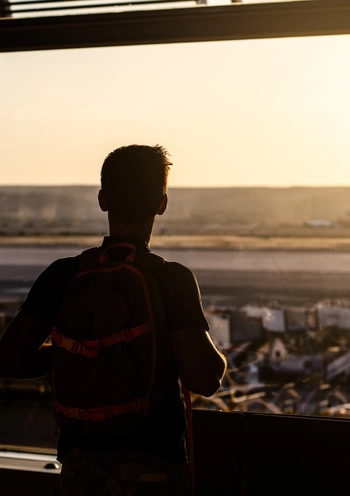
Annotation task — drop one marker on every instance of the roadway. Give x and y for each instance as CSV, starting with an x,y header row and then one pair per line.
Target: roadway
x,y
231,276
200,259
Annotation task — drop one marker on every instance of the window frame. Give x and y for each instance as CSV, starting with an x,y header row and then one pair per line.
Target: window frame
x,y
193,24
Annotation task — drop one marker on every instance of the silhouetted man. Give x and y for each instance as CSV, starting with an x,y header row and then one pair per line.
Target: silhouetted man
x,y
152,459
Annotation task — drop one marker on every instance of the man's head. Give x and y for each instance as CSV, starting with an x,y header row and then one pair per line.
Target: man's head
x,y
134,183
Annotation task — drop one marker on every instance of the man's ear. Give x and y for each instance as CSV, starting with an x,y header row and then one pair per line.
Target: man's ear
x,y
163,205
102,201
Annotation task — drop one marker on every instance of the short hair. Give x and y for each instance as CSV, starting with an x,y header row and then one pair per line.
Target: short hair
x,y
134,181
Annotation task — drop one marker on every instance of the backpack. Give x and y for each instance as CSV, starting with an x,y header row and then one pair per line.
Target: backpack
x,y
111,354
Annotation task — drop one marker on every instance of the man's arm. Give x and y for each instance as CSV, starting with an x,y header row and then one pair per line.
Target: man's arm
x,y
21,352
201,366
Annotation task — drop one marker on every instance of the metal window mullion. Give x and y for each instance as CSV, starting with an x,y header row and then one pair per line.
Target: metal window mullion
x,y
5,8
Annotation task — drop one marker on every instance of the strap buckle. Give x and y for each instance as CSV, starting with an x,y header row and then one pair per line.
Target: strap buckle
x,y
70,344
75,347
76,413
127,335
83,415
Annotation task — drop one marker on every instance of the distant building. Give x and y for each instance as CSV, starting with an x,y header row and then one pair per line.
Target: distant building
x,y
220,326
319,223
232,326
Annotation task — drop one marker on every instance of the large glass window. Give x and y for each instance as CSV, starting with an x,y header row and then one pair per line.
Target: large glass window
x,y
259,198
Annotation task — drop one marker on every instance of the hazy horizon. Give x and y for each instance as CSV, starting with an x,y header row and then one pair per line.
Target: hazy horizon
x,y
74,209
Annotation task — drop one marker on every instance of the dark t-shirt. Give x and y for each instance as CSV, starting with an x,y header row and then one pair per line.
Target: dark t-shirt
x,y
162,433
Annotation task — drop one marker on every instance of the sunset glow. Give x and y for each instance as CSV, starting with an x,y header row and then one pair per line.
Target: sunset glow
x,y
258,112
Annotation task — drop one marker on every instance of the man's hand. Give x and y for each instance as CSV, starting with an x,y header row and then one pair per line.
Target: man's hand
x,y
21,352
201,366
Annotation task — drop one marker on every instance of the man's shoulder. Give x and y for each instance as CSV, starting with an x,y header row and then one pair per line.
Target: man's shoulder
x,y
44,297
72,263
172,267
175,275
63,266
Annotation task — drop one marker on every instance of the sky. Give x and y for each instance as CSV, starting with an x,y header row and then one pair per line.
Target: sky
x,y
239,113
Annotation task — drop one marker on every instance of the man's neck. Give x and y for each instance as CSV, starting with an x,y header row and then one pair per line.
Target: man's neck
x,y
138,230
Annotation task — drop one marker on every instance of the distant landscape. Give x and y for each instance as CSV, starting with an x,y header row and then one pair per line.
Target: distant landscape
x,y
258,212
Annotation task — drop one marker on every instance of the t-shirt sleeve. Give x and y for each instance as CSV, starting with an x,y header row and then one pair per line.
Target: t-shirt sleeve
x,y
181,296
45,296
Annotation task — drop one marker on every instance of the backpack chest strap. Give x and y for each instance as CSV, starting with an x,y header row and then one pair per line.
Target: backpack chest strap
x,y
92,348
104,413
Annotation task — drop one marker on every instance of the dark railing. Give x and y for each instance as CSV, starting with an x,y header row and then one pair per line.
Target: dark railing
x,y
242,454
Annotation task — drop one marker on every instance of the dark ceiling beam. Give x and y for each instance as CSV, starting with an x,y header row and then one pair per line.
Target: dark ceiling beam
x,y
233,22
